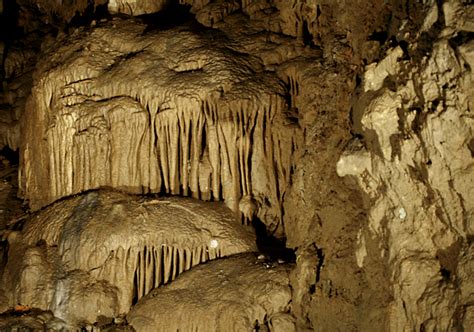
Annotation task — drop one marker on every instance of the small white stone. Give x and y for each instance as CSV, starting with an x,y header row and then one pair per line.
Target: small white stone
x,y
402,214
213,243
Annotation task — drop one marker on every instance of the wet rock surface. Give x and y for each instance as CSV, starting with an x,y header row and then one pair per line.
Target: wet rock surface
x,y
171,111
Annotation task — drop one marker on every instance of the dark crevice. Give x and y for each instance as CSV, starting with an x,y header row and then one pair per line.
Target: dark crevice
x,y
445,273
171,16
9,29
427,38
461,38
135,288
380,36
470,146
319,266
90,14
270,246
307,36
12,156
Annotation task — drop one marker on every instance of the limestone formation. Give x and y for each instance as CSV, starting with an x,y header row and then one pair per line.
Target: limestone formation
x,y
171,111
342,128
222,295
136,7
116,248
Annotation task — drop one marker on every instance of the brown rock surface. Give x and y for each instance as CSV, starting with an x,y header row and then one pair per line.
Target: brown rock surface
x,y
417,169
222,295
344,126
171,111
109,249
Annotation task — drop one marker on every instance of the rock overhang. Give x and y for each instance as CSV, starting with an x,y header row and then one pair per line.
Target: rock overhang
x,y
173,111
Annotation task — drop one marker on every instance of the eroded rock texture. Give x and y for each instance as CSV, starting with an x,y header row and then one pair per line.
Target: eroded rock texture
x,y
136,7
217,296
107,250
417,168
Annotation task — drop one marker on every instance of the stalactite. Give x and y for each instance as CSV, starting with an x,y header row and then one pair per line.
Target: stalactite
x,y
136,244
179,126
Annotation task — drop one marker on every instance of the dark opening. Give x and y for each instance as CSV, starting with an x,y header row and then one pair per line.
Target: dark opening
x,y
135,287
270,246
380,36
445,273
9,30
307,36
10,155
173,15
470,146
320,254
91,13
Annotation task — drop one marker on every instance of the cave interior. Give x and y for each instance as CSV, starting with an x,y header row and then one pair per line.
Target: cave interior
x,y
236,165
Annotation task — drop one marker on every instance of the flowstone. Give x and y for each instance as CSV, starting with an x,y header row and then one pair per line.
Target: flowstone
x,y
98,253
239,293
172,111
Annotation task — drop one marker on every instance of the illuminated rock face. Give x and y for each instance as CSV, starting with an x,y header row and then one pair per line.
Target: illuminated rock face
x,y
377,199
235,294
172,111
136,7
117,247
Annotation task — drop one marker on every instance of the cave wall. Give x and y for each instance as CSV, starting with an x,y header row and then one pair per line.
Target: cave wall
x,y
416,166
377,194
400,262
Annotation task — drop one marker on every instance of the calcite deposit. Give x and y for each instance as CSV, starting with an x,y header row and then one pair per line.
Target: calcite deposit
x,y
417,168
109,249
168,111
341,131
218,296
136,7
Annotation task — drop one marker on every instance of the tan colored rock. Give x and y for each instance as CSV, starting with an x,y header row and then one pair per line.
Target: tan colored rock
x,y
216,12
136,7
419,174
165,112
465,273
458,15
376,73
222,295
282,322
116,246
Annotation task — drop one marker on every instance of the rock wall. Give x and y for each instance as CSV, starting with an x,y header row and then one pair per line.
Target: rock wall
x,y
403,264
416,165
117,246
